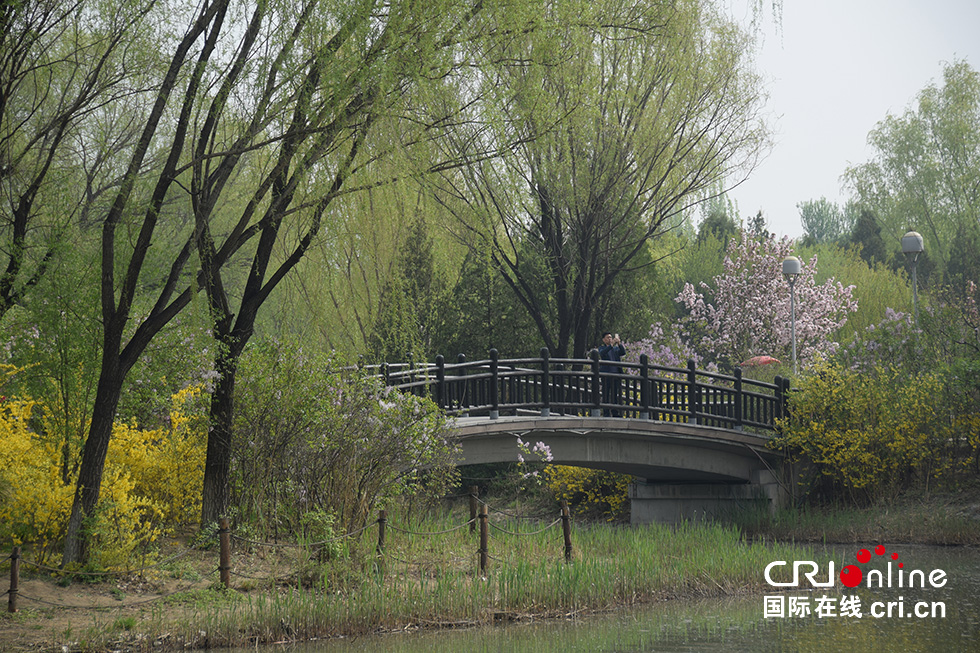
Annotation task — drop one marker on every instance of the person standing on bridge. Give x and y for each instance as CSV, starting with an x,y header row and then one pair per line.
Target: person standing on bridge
x,y
611,350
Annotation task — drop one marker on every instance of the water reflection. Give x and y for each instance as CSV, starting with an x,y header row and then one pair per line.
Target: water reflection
x,y
735,624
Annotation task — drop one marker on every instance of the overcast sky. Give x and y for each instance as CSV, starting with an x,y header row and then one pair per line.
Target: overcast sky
x,y
835,69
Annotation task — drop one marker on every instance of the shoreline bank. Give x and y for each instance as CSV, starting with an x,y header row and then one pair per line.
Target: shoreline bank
x,y
183,607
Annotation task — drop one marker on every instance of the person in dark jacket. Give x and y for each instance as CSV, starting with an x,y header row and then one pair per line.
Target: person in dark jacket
x,y
611,350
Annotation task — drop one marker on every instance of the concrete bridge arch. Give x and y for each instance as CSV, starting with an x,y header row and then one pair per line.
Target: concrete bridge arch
x,y
684,471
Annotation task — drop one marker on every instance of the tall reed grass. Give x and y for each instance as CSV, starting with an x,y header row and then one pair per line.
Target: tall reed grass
x,y
433,581
935,520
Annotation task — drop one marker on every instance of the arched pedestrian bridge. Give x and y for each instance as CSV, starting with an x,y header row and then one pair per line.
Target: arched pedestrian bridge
x,y
695,440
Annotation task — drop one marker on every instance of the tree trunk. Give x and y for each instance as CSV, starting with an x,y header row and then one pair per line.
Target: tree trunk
x,y
217,466
93,461
580,347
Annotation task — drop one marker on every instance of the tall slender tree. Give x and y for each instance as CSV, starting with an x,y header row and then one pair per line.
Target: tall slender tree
x,y
356,66
620,116
126,242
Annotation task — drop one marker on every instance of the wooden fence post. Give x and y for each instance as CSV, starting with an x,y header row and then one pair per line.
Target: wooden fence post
x,y
441,397
785,399
566,528
462,396
14,580
777,409
645,398
380,549
224,559
473,501
484,540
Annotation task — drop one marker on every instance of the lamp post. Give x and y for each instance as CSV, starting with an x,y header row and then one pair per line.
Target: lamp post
x,y
791,270
912,247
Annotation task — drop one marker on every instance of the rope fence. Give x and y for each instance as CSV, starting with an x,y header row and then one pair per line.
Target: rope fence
x,y
479,521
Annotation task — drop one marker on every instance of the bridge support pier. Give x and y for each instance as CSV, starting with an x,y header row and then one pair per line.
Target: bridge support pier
x,y
673,503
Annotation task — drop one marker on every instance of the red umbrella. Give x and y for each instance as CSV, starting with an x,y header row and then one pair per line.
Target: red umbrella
x,y
760,360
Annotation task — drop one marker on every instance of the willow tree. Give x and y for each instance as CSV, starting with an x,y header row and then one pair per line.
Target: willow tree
x,y
354,67
58,69
620,116
925,172
255,119
134,307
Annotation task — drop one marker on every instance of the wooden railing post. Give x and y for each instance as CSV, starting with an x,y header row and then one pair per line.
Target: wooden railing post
x,y
778,399
693,395
494,385
441,381
596,384
785,397
484,540
473,503
566,529
545,382
738,399
224,555
463,392
644,386
14,580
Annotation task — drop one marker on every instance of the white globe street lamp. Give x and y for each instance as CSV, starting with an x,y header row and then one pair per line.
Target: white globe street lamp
x,y
912,247
791,270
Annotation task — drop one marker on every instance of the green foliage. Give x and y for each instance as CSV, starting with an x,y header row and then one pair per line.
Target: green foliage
x,y
877,287
869,435
925,174
124,623
963,268
409,315
866,238
641,94
313,435
52,338
822,220
718,217
681,260
319,530
591,492
485,314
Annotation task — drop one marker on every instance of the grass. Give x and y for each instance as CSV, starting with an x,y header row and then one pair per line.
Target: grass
x,y
429,575
433,581
936,520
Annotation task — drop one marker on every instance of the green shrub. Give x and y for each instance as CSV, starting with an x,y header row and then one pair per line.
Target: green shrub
x,y
866,436
312,435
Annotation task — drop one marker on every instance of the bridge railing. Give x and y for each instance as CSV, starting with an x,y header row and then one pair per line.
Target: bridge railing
x,y
593,387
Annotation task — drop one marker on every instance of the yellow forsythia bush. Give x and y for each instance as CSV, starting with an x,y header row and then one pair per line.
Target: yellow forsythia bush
x,y
151,482
34,501
167,464
590,490
865,436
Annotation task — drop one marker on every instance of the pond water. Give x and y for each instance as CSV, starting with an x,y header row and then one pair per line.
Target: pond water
x,y
888,619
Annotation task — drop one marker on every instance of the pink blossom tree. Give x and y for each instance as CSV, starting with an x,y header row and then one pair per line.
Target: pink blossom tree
x,y
745,310
665,348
